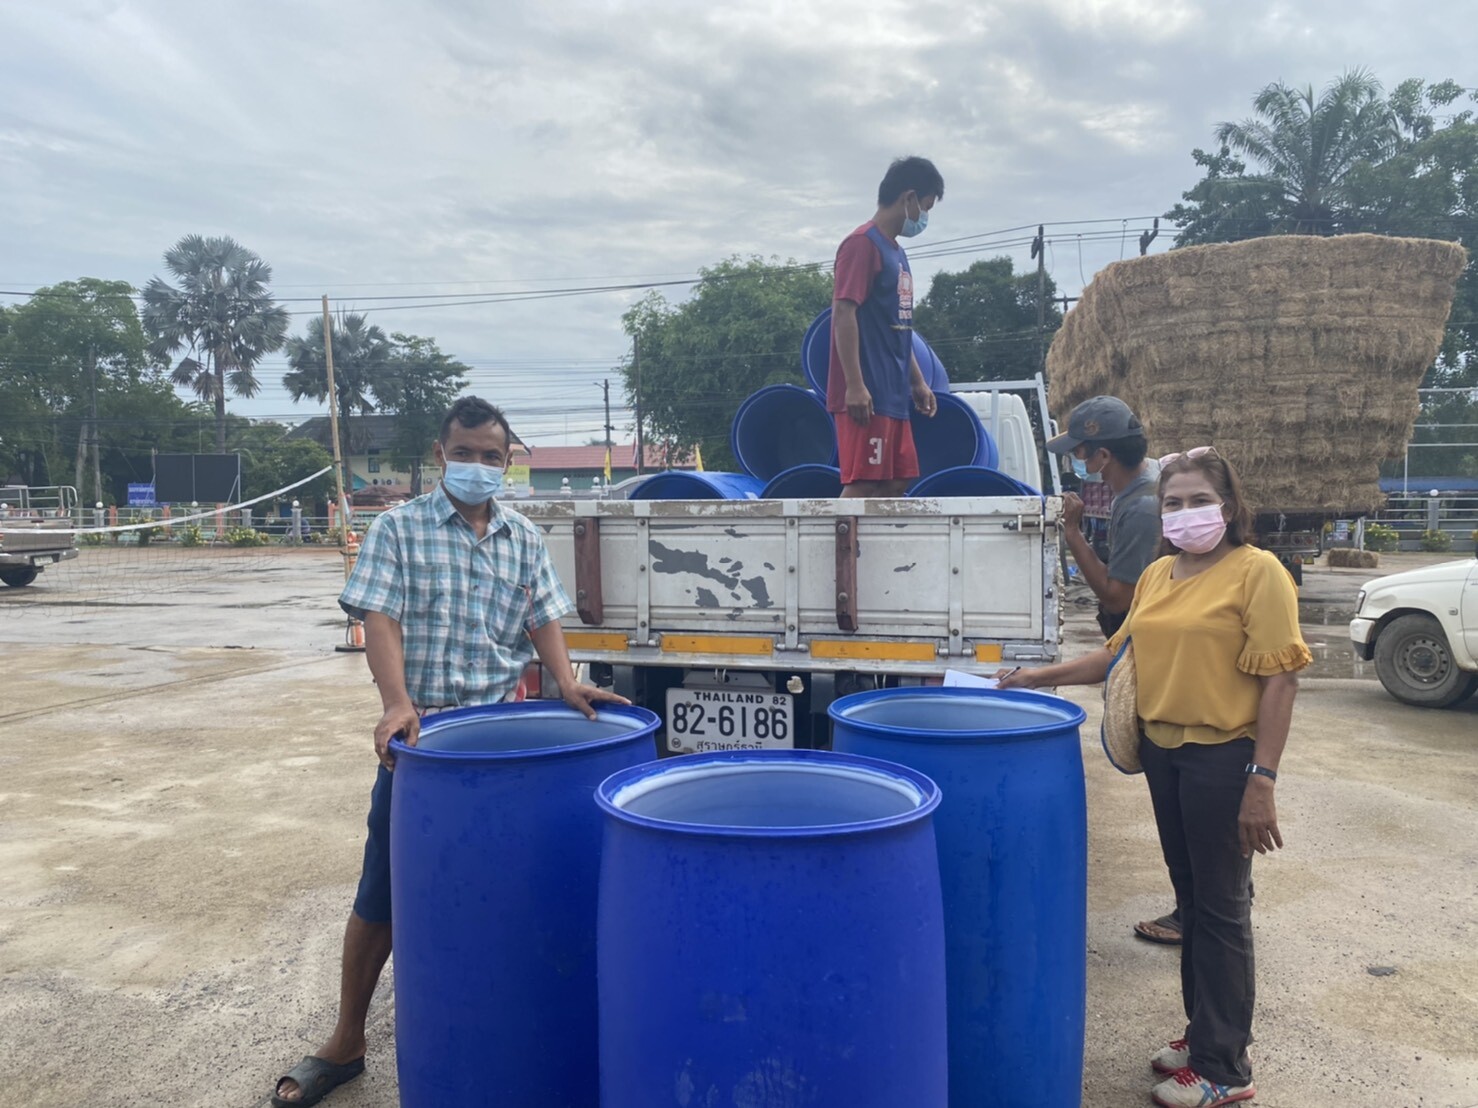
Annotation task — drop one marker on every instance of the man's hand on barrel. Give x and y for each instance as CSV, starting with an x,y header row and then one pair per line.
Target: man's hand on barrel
x,y
398,720
584,698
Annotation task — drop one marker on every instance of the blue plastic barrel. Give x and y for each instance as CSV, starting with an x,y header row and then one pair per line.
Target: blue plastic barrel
x,y
930,365
816,352
780,427
494,852
816,357
953,437
1013,855
805,483
971,481
771,934
676,484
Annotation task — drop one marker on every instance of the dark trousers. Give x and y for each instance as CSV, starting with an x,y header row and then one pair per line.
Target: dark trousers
x,y
1197,794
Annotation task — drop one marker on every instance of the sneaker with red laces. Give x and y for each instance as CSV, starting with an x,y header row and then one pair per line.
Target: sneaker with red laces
x,y
1188,1089
1175,1056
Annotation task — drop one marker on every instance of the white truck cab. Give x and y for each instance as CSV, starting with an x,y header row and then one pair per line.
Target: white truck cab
x,y
1421,628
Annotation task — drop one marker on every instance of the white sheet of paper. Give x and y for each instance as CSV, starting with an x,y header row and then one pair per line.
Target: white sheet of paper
x,y
958,679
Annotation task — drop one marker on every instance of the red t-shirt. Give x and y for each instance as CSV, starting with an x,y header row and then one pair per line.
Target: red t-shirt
x,y
872,272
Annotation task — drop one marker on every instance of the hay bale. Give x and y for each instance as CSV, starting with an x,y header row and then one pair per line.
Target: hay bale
x,y
1298,357
1342,557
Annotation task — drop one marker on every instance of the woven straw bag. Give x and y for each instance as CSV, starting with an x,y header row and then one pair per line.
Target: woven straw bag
x,y
1120,730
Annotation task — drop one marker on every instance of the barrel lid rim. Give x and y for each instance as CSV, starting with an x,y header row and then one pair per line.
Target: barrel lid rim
x,y
930,794
1074,715
648,719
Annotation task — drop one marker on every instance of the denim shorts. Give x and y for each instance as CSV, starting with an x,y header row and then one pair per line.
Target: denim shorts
x,y
372,902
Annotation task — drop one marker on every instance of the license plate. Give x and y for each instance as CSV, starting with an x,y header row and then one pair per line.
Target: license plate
x,y
729,719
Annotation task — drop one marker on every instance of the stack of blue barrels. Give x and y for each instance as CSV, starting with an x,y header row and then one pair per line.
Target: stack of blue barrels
x,y
899,922
785,441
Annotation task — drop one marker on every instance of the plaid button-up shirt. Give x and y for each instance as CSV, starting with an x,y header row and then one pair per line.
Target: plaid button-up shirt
x,y
465,605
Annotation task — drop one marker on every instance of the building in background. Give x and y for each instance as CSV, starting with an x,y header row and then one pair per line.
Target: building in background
x,y
374,461
550,465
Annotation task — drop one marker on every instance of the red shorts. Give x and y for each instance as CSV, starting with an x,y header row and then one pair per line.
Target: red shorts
x,y
881,451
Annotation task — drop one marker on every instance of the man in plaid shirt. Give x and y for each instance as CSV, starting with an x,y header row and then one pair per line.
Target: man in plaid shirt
x,y
457,595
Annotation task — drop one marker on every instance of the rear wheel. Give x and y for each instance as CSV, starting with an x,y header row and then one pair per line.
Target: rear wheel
x,y
1415,664
18,576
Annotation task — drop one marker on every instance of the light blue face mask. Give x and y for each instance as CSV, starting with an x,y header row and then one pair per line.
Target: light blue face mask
x,y
1080,471
912,227
472,482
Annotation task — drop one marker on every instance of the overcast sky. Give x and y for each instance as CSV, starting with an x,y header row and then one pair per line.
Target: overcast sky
x,y
399,148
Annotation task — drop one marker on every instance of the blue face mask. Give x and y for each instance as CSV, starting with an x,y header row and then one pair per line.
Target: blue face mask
x,y
911,226
1080,471
471,482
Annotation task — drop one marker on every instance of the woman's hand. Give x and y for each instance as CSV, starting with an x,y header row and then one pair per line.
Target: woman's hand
x,y
1020,678
1257,822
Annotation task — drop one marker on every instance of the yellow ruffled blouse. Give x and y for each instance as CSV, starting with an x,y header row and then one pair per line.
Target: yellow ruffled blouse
x,y
1200,645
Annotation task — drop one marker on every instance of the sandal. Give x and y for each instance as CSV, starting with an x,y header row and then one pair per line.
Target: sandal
x,y
1165,930
315,1078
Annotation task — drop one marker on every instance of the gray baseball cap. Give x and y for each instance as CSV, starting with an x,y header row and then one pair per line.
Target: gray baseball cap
x,y
1097,419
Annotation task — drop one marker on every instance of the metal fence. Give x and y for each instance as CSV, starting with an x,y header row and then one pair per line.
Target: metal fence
x,y
1415,517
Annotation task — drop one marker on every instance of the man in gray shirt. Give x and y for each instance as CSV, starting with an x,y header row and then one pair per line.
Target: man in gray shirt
x,y
1106,442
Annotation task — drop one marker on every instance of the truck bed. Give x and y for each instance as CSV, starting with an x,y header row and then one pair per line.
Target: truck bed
x,y
884,586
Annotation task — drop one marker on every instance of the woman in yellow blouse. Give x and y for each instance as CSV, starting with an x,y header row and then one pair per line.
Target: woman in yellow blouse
x,y
1217,649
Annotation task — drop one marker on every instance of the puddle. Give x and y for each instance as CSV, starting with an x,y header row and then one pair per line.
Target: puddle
x,y
1326,628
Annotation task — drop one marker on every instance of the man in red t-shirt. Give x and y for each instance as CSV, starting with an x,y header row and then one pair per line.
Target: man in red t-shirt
x,y
874,377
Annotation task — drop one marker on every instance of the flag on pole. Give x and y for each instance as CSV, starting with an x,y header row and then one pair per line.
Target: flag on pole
x,y
608,465
698,457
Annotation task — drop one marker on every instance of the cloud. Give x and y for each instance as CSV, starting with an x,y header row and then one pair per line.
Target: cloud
x,y
416,146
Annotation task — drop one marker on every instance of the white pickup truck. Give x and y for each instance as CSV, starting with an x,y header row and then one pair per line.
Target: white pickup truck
x,y
35,530
740,621
1421,627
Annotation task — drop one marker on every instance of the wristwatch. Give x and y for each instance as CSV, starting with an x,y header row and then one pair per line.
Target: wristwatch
x,y
1261,771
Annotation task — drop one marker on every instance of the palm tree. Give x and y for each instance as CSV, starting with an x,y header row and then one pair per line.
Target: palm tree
x,y
1308,147
361,359
220,311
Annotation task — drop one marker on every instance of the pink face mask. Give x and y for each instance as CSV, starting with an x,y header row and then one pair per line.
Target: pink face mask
x,y
1195,530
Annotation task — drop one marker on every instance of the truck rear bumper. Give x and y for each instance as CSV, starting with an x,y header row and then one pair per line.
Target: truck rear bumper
x,y
40,558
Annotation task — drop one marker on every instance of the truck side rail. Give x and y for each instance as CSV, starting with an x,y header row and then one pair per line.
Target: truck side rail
x,y
896,586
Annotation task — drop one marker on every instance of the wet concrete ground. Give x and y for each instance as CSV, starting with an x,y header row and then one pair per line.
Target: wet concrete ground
x,y
186,764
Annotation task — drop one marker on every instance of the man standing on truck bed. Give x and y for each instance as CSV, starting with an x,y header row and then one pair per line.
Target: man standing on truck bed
x,y
874,377
1106,442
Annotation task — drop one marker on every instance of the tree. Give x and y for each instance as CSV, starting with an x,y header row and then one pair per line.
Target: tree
x,y
1307,149
221,312
271,460
740,331
361,357
982,322
63,353
417,386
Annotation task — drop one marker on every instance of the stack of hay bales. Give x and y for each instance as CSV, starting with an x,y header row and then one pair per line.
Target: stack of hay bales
x,y
1297,357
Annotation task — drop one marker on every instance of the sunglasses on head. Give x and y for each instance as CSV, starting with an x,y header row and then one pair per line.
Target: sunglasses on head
x,y
1194,452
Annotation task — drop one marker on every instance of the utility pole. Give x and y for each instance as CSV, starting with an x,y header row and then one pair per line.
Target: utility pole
x,y
641,446
1039,251
1147,237
353,629
333,416
92,428
606,388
